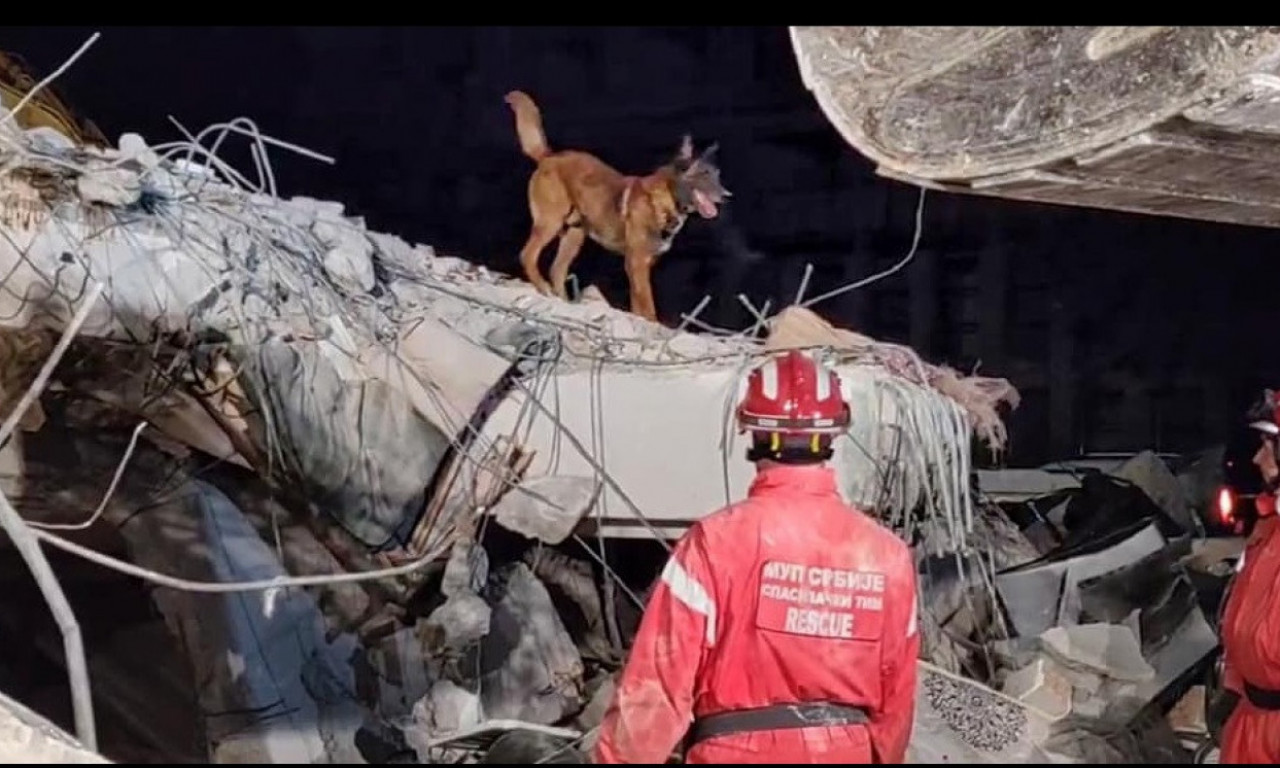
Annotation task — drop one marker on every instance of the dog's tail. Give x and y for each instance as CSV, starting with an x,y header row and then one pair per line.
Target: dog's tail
x,y
533,140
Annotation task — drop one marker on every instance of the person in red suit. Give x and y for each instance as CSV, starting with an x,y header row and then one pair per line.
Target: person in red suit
x,y
783,628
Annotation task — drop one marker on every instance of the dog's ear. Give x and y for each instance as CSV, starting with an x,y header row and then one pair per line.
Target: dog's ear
x,y
686,148
708,155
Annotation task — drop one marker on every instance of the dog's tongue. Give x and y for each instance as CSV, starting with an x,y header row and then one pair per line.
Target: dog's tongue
x,y
705,207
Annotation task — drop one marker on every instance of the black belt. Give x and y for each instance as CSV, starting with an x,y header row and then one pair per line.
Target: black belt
x,y
1262,698
773,718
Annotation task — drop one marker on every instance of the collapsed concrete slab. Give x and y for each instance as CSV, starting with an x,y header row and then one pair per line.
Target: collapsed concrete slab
x,y
263,274
386,400
28,738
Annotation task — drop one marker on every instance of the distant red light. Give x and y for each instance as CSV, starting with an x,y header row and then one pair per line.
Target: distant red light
x,y
1226,505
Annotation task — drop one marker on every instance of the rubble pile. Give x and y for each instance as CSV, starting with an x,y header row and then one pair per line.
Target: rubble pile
x,y
1108,626
395,508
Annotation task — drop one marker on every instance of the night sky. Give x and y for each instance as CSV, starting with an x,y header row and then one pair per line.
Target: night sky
x,y
426,149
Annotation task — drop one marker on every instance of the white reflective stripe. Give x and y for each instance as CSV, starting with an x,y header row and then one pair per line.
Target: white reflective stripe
x,y
769,379
685,588
1240,562
823,384
911,622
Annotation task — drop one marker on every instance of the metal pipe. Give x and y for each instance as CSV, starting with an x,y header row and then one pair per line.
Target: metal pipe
x,y
72,645
27,545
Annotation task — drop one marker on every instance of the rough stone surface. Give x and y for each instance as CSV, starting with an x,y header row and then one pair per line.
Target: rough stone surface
x,y
1041,685
547,508
26,737
533,670
1106,649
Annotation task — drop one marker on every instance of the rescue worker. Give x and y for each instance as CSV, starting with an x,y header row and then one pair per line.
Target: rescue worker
x,y
1251,622
783,627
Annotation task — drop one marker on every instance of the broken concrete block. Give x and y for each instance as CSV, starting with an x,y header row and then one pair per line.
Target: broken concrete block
x,y
1040,596
456,625
573,578
446,709
1149,472
1187,716
1042,686
1087,706
547,508
603,690
464,618
535,672
1106,649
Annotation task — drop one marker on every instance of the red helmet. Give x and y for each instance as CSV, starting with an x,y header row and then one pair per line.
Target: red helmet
x,y
1264,416
793,394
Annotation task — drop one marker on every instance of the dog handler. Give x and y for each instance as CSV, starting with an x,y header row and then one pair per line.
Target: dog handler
x,y
783,628
1251,622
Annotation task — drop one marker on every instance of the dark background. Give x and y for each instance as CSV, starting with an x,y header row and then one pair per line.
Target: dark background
x,y
1162,327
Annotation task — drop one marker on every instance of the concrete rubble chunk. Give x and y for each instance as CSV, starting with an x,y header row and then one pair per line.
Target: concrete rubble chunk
x,y
456,625
1106,649
464,618
1149,472
1187,716
347,259
1043,686
27,737
447,708
116,186
537,672
547,508
602,690
1042,596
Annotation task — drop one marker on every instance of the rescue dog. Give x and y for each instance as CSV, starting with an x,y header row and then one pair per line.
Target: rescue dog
x,y
574,195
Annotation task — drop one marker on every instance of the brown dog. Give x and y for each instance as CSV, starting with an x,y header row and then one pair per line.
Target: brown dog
x,y
573,195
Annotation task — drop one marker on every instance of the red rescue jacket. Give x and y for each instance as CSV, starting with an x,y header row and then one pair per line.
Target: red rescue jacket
x,y
790,596
1251,643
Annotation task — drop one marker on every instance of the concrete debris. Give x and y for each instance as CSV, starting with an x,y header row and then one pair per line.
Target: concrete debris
x,y
573,579
600,692
115,187
534,670
1043,686
1152,475
1188,715
547,508
465,617
1104,649
370,405
26,737
446,709
1043,594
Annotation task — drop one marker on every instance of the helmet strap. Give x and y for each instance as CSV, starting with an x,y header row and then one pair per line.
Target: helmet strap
x,y
798,449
